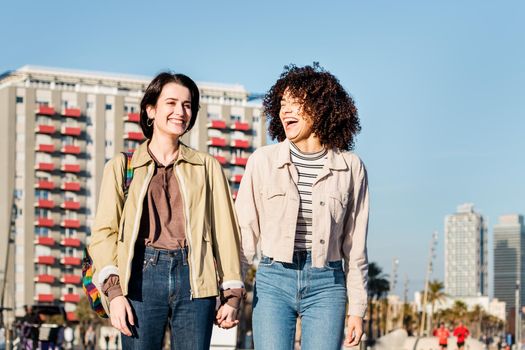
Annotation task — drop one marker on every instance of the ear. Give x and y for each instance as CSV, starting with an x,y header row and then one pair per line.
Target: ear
x,y
151,111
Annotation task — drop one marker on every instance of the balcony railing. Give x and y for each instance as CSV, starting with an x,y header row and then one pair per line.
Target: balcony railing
x,y
45,298
71,186
134,135
44,147
217,141
45,129
70,279
240,143
221,159
217,124
71,149
70,242
70,223
240,161
71,112
71,130
47,241
45,260
70,168
44,166
71,205
45,203
45,185
44,222
44,278
45,110
132,117
71,316
236,178
241,126
70,298
71,260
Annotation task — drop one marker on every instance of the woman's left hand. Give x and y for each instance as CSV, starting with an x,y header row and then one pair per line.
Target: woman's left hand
x,y
227,316
354,331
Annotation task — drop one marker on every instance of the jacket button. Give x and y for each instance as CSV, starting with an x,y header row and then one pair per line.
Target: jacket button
x,y
321,241
321,203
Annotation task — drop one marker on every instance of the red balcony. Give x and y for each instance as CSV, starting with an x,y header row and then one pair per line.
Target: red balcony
x,y
45,260
217,141
70,279
132,117
47,241
221,159
44,222
43,278
71,186
70,168
234,195
45,298
45,203
240,143
48,148
236,178
45,166
71,112
70,298
71,316
71,242
71,205
241,126
45,129
45,185
70,223
71,130
70,149
45,110
217,124
240,161
71,260
134,135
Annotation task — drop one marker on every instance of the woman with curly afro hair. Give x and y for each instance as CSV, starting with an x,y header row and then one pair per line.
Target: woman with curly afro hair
x,y
305,201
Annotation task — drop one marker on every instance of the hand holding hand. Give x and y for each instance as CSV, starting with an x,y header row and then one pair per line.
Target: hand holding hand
x,y
227,317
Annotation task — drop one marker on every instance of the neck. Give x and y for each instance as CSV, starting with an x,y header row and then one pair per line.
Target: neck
x,y
309,145
165,149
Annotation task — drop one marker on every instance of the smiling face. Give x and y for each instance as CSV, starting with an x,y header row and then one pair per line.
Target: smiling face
x,y
172,113
298,125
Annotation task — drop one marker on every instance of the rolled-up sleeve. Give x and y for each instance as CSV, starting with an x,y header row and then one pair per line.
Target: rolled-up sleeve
x,y
354,244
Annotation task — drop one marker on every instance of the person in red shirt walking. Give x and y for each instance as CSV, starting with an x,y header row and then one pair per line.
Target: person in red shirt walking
x,y
442,334
461,332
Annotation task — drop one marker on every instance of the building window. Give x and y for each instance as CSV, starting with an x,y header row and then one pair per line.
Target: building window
x,y
19,99
108,106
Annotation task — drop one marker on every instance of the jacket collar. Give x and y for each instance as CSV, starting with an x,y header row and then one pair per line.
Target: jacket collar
x,y
335,159
141,156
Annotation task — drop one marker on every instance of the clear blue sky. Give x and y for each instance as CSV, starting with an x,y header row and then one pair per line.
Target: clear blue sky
x,y
440,86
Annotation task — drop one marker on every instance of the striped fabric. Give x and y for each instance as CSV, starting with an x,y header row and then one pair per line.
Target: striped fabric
x,y
308,166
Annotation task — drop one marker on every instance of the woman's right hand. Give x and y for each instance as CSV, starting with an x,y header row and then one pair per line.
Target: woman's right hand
x,y
121,314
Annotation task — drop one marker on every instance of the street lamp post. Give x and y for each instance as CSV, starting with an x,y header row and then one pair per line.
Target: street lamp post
x,y
431,256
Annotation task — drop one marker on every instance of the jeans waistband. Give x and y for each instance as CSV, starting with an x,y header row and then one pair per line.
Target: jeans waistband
x,y
301,256
164,254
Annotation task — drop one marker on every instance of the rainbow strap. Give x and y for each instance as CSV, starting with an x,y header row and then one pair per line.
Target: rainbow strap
x,y
89,287
128,173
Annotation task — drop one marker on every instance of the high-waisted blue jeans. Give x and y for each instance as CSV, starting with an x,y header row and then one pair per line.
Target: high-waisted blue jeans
x,y
284,291
159,292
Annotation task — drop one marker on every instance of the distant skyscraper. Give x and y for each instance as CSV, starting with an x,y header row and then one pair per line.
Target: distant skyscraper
x,y
466,253
509,258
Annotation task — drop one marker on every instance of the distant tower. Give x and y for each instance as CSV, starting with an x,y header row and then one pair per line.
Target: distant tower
x,y
509,258
466,253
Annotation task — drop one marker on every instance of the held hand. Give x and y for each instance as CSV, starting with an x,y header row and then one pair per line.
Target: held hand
x,y
354,331
227,317
121,314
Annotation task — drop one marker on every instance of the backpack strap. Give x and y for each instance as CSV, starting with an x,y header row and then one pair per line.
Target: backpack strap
x,y
128,173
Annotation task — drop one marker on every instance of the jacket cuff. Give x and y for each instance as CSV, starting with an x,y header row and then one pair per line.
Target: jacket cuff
x,y
233,284
357,310
106,272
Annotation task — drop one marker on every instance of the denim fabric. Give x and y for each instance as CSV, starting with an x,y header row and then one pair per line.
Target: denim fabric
x,y
284,291
159,292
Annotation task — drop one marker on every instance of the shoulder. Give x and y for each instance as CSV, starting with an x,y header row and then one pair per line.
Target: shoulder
x,y
266,153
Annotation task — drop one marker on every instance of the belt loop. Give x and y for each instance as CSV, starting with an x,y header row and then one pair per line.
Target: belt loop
x,y
184,259
156,257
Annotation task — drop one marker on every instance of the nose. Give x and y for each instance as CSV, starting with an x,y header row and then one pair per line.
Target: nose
x,y
178,109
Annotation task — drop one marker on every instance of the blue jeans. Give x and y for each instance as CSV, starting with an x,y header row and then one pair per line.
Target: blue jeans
x,y
159,292
284,291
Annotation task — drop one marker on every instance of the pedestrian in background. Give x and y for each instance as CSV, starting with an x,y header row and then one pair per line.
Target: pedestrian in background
x,y
461,333
305,200
442,334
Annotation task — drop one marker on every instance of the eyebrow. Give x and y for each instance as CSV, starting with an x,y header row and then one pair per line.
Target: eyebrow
x,y
176,99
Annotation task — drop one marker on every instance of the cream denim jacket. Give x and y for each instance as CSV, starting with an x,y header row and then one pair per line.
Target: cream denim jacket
x,y
268,203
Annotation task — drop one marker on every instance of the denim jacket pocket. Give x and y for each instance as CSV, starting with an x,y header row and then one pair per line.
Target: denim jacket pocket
x,y
334,265
338,205
274,200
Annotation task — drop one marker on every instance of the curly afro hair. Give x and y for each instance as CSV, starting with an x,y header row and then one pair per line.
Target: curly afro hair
x,y
333,112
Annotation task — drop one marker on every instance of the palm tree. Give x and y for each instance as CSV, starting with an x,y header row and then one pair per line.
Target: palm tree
x,y
378,286
435,295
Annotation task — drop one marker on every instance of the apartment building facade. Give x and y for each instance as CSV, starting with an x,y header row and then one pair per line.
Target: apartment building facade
x,y
59,128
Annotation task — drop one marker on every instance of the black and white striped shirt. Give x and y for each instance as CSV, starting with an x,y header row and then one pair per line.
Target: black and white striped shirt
x,y
308,167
